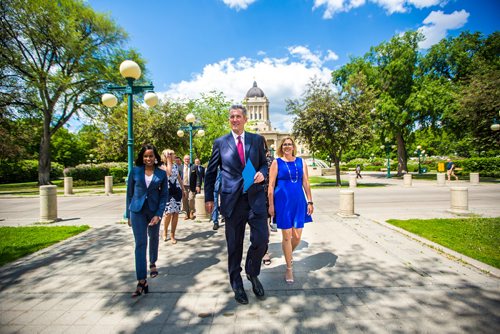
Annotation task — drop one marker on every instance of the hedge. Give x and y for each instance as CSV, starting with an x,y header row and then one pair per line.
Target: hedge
x,y
25,171
97,172
483,166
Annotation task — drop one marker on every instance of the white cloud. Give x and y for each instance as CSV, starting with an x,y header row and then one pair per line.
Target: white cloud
x,y
279,78
437,24
391,6
330,55
427,3
337,6
238,4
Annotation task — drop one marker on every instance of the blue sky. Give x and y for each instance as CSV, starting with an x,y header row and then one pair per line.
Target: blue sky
x,y
195,46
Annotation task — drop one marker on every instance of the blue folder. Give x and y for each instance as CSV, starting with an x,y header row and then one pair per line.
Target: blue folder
x,y
248,175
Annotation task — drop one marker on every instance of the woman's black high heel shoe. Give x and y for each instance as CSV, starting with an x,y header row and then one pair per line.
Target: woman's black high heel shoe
x,y
154,271
141,287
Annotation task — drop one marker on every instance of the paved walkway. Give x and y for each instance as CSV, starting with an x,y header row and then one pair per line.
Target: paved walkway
x,y
352,276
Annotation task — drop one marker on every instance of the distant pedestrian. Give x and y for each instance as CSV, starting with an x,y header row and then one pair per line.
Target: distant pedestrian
x,y
215,212
266,260
147,192
450,169
200,170
358,171
191,185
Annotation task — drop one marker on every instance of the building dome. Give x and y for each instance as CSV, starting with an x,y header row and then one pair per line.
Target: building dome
x,y
255,91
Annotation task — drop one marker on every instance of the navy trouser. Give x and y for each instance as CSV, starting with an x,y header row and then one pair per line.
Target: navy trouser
x,y
140,221
235,234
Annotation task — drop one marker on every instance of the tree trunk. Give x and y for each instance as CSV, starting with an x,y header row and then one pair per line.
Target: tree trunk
x,y
336,161
44,159
402,166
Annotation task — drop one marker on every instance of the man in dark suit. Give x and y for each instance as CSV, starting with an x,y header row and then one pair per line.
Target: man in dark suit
x,y
230,153
200,170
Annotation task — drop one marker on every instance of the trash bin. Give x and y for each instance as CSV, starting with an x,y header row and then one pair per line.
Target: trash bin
x,y
440,166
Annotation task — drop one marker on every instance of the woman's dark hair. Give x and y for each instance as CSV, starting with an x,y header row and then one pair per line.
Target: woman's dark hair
x,y
140,158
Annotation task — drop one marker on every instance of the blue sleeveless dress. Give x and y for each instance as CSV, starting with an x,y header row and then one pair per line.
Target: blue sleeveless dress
x,y
290,204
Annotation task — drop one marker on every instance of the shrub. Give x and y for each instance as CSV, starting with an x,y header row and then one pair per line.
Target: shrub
x,y
97,172
483,166
25,171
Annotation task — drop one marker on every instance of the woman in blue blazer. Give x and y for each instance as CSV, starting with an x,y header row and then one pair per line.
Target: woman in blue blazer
x,y
147,192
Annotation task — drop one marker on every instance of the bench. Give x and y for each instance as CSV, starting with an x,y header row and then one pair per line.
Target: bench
x,y
383,169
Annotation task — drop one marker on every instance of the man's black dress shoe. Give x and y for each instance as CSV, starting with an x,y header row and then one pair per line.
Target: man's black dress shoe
x,y
240,296
216,227
257,287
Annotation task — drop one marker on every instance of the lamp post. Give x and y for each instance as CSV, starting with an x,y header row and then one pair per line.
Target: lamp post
x,y
190,119
388,147
419,153
130,71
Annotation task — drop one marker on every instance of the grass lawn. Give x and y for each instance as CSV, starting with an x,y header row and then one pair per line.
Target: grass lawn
x,y
478,238
31,188
16,242
321,182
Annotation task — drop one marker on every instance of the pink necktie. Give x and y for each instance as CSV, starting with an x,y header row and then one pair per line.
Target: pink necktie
x,y
240,151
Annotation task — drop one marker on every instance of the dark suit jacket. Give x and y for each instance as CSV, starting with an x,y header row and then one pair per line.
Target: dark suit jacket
x,y
201,173
155,195
225,156
194,179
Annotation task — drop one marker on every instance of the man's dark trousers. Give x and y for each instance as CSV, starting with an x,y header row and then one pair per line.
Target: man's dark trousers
x,y
235,234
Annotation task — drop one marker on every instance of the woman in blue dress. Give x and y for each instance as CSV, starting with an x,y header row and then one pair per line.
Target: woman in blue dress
x,y
290,199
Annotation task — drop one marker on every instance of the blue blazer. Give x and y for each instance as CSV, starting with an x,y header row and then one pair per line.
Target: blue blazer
x,y
225,155
155,195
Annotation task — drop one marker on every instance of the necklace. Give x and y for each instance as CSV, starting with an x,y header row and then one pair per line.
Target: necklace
x,y
290,173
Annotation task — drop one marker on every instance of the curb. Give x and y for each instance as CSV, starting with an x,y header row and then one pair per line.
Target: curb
x,y
486,268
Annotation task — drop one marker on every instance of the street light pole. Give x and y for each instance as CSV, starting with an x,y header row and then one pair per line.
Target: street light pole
x,y
387,146
419,152
190,119
130,71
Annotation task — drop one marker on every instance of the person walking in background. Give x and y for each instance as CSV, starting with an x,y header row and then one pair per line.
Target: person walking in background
x,y
191,187
215,212
175,195
450,169
147,193
232,153
358,171
266,260
288,181
201,172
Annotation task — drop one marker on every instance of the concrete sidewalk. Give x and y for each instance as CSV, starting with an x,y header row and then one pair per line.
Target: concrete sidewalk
x,y
352,276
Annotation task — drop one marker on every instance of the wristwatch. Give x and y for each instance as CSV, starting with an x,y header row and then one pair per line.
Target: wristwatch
x,y
310,203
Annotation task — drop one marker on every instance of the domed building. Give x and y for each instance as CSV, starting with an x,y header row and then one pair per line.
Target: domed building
x,y
257,105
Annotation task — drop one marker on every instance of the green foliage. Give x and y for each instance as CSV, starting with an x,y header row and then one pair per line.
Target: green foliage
x,y
58,54
331,122
474,237
25,171
16,242
483,166
97,172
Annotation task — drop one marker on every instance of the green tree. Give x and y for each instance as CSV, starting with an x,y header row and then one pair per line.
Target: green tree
x,y
212,110
59,54
332,122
